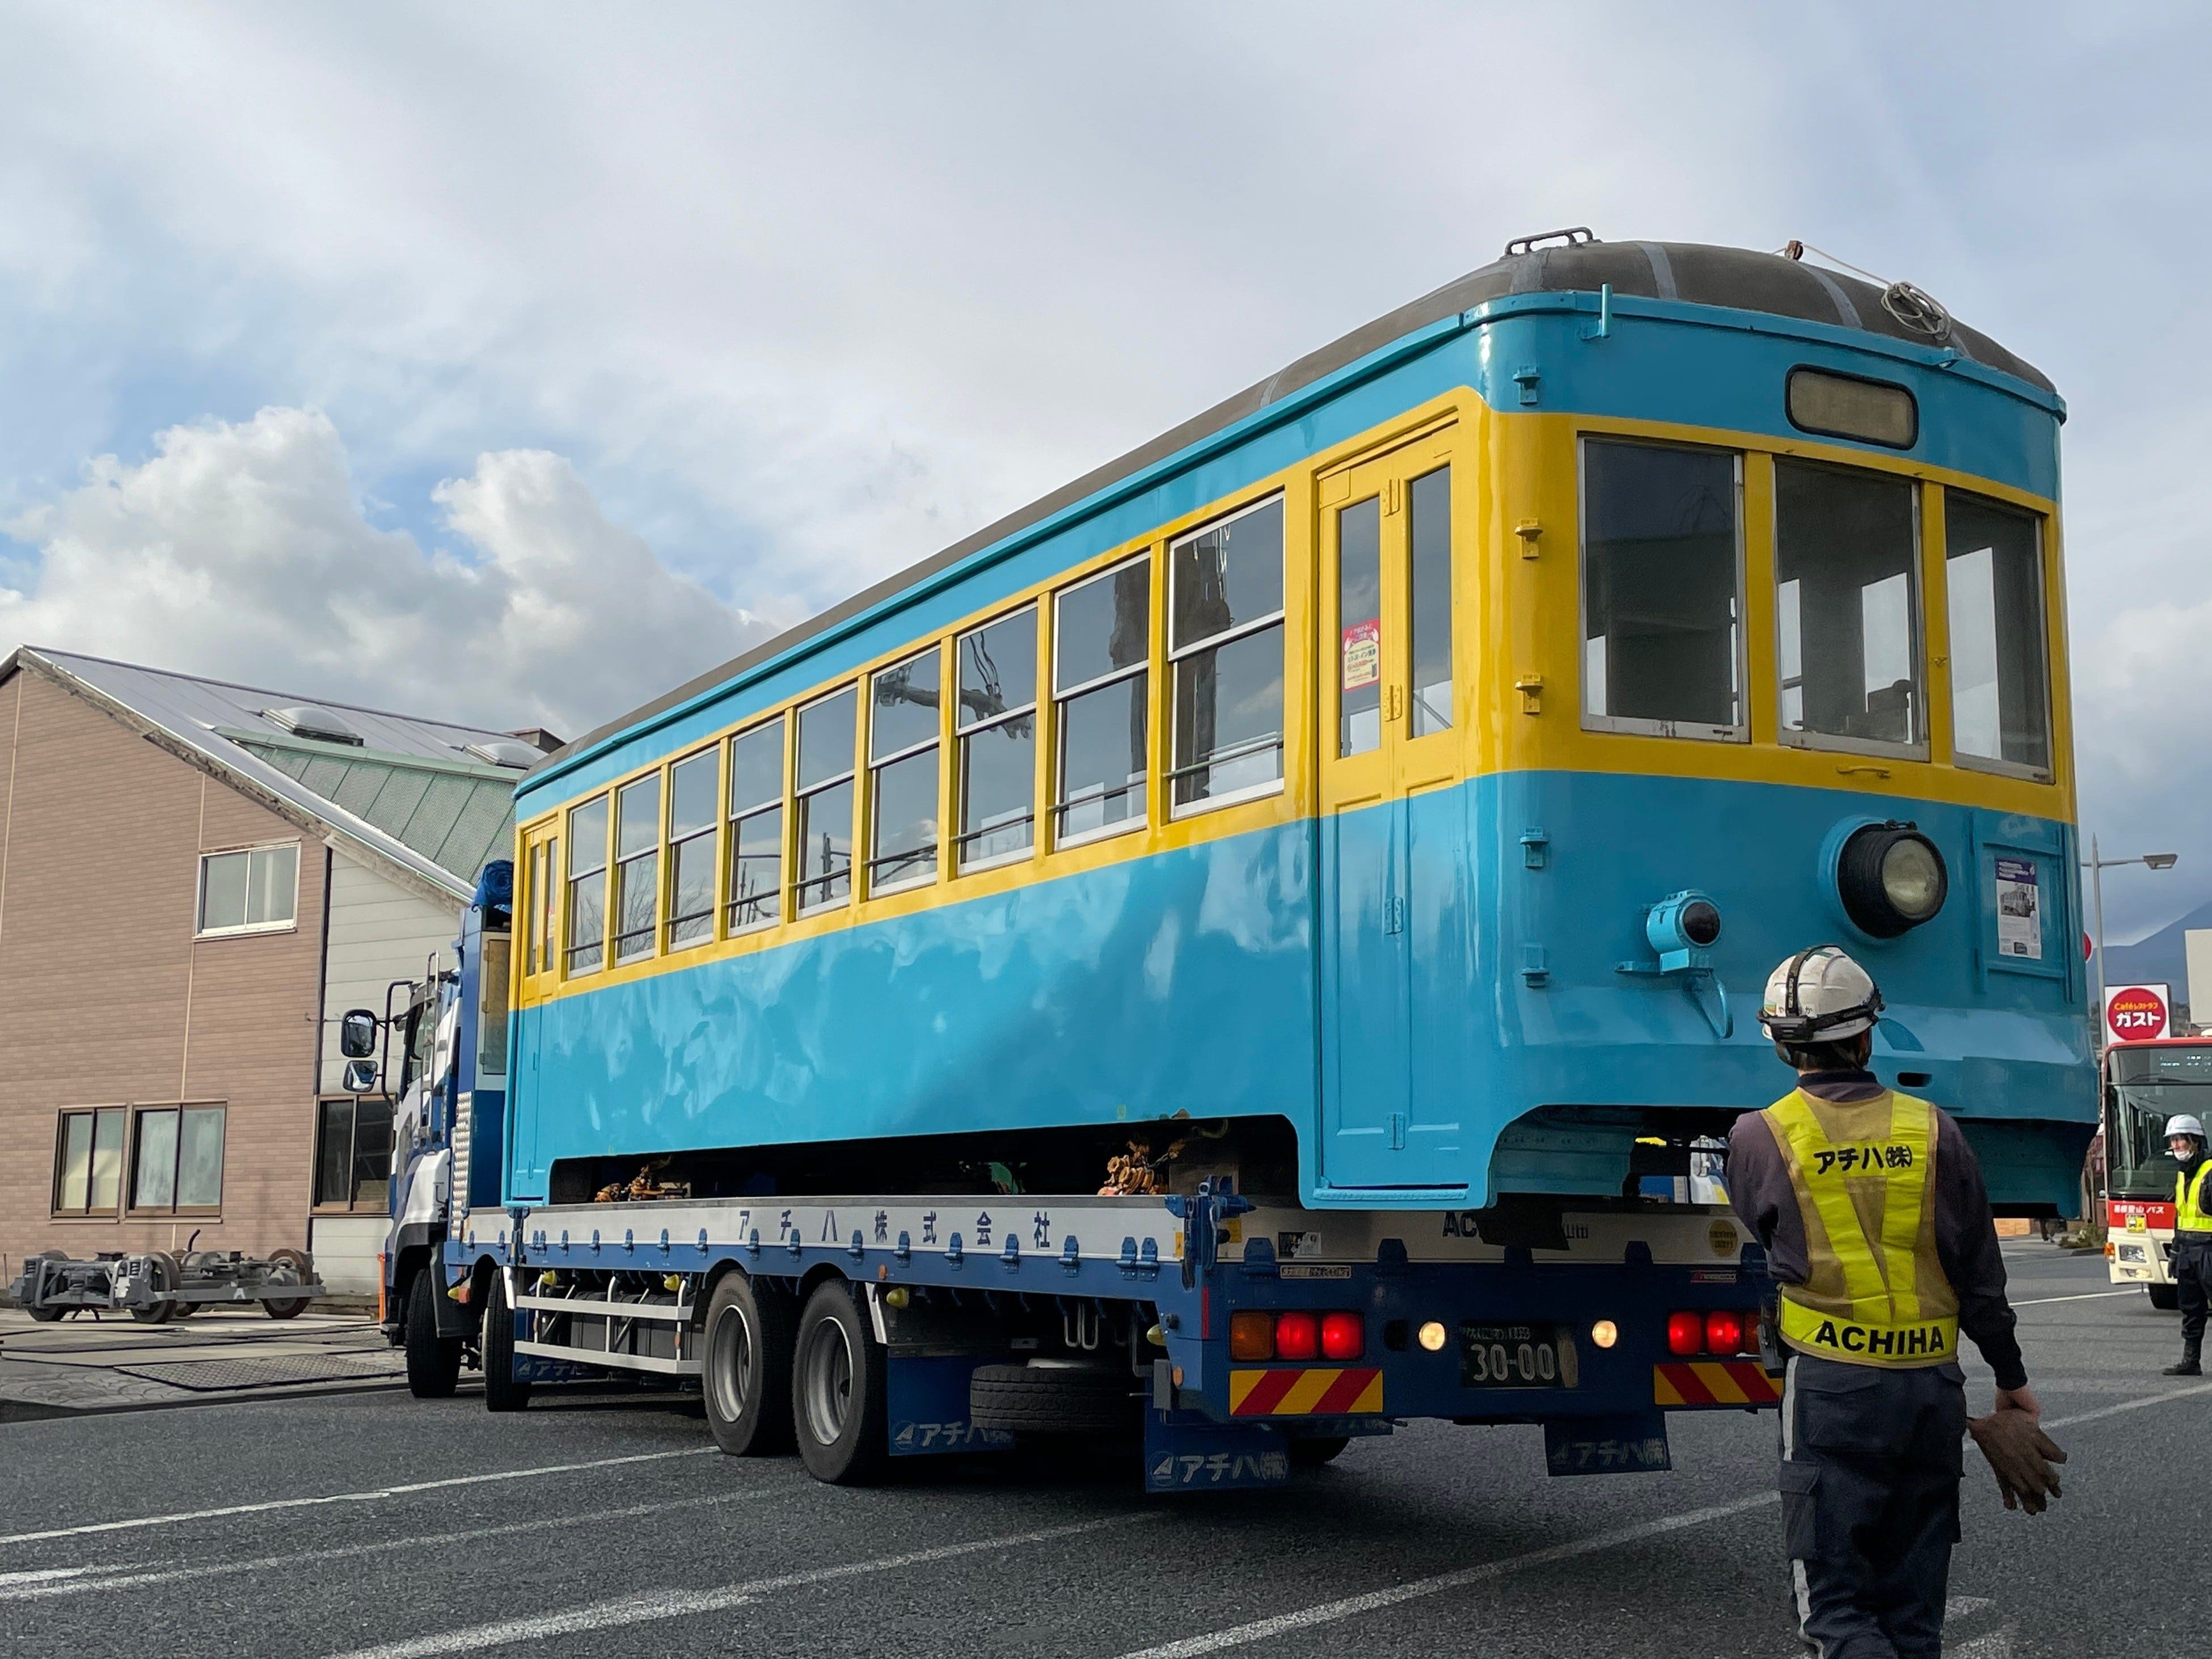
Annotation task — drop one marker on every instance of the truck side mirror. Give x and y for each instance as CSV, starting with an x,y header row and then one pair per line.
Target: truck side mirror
x,y
360,1077
357,1035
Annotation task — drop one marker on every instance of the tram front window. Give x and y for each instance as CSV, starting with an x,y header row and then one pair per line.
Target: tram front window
x,y
1846,559
2149,1085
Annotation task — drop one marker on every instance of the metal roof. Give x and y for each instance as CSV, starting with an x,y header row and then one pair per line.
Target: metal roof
x,y
407,796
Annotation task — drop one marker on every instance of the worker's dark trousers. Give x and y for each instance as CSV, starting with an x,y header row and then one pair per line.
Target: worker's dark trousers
x,y
1870,1469
2192,1266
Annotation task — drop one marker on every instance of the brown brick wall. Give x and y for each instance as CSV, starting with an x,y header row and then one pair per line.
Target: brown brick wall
x,y
104,995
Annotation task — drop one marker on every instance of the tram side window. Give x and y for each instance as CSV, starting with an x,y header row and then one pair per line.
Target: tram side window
x,y
1663,602
756,827
1993,567
1845,558
825,801
997,725
694,794
1101,645
1225,653
1428,502
587,885
1359,627
903,731
547,899
637,866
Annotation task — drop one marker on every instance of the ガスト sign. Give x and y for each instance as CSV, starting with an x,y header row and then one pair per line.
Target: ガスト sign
x,y
2135,1012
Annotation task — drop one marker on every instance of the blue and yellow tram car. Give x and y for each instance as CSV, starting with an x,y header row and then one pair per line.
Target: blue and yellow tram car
x,y
1408,770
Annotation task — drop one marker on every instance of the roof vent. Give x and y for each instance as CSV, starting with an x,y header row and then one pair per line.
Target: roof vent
x,y
307,719
505,752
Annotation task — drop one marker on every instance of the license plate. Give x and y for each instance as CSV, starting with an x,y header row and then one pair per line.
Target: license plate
x,y
1516,1357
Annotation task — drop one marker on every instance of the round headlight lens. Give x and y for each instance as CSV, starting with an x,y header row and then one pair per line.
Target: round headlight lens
x,y
1891,878
1701,923
1912,879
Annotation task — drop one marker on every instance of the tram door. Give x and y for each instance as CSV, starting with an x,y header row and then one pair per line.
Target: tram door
x,y
1391,829
541,960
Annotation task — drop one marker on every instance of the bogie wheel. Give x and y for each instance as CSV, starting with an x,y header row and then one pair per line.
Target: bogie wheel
x,y
838,1379
1311,1454
183,1310
166,1276
2165,1298
746,1381
46,1315
434,1361
301,1269
503,1390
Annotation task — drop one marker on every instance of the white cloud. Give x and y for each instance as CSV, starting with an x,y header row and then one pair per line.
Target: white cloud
x,y
241,551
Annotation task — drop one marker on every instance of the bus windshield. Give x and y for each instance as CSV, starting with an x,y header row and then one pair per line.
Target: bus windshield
x,y
2148,1085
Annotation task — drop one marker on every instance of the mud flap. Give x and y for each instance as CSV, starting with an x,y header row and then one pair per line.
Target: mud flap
x,y
1184,1453
1607,1445
926,1410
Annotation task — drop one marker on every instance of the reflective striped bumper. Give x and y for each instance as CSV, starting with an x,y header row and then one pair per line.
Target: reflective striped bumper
x,y
1312,1391
1713,1383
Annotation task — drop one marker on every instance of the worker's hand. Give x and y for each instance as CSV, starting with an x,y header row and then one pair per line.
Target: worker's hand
x,y
2021,1455
2021,1399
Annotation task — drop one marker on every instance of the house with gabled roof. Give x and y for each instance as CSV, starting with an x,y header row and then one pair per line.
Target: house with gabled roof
x,y
196,879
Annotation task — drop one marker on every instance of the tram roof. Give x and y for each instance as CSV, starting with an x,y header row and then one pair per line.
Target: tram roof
x,y
1692,273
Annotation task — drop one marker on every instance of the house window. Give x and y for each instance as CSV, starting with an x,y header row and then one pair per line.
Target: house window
x,y
903,729
694,796
1225,653
1100,652
997,723
637,865
353,1153
88,1162
587,885
255,890
176,1161
756,827
825,801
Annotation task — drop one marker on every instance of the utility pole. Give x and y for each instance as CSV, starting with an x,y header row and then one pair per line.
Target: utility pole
x,y
2096,864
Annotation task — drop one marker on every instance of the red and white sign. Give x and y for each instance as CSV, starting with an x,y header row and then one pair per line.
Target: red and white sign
x,y
2133,1012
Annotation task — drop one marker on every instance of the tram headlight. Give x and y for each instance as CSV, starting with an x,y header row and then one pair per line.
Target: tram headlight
x,y
1891,878
1684,922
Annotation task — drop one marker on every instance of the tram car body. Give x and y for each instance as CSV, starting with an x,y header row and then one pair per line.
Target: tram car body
x,y
1425,754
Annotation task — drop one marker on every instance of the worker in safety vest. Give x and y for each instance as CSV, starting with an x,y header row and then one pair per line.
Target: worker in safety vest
x,y
1876,1224
2193,1238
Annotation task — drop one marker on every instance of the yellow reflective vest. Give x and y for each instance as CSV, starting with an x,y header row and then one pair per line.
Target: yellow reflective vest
x,y
2191,1214
1863,1175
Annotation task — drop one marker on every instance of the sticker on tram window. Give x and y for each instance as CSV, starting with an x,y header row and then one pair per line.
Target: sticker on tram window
x,y
2019,912
1362,655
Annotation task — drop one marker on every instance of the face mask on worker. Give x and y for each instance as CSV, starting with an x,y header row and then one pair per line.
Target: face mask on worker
x,y
2184,1147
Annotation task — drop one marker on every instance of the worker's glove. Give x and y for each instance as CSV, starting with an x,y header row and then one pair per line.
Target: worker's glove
x,y
2021,1455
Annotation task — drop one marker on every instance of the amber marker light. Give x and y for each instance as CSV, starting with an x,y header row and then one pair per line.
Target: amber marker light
x,y
1605,1333
1432,1336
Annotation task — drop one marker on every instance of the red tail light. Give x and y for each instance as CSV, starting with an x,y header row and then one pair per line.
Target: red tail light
x,y
1686,1333
1343,1335
1297,1336
1723,1332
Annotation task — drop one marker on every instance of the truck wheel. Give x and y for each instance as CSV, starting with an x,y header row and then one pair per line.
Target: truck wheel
x,y
166,1276
503,1390
302,1269
1051,1399
746,1374
1312,1453
434,1361
2165,1298
837,1385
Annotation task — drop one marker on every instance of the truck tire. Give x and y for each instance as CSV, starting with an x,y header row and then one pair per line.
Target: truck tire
x,y
839,1376
298,1261
166,1276
745,1376
1313,1452
434,1361
503,1390
2165,1298
1051,1399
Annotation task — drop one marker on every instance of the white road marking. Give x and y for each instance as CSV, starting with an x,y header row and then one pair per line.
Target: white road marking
x,y
679,1604
71,1581
351,1497
1997,1646
1960,1606
2086,1296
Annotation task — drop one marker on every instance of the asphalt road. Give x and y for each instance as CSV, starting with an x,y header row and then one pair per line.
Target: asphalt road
x,y
603,1525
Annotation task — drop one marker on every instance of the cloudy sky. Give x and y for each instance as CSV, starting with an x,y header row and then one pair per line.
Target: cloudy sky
x,y
516,362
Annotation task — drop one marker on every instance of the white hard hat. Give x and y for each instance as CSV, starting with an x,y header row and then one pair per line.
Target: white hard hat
x,y
2184,1125
1819,995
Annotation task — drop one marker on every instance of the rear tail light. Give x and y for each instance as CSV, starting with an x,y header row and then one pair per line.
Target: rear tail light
x,y
1686,1333
1343,1336
1251,1336
1297,1336
1723,1332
